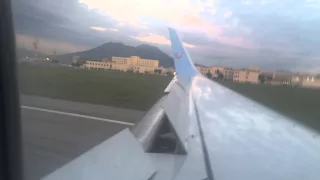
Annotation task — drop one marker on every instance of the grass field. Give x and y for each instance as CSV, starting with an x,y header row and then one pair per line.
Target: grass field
x,y
301,104
112,88
139,91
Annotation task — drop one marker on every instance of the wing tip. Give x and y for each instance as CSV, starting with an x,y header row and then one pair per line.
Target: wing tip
x,y
182,62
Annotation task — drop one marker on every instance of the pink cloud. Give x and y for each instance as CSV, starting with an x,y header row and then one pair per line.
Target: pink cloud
x,y
103,29
181,14
157,39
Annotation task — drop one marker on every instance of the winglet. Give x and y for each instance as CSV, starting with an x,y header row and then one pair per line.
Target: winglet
x,y
183,64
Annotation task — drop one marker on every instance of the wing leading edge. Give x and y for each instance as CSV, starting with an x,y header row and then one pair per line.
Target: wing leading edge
x,y
242,139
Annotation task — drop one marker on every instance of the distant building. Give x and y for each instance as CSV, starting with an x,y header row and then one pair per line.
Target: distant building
x,y
310,82
249,75
203,70
306,81
228,73
215,70
277,78
144,69
133,63
97,65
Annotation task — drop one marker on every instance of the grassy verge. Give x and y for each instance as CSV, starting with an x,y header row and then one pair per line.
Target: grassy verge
x,y
112,88
301,104
139,91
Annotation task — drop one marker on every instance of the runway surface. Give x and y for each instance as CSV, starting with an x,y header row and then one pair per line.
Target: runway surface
x,y
57,131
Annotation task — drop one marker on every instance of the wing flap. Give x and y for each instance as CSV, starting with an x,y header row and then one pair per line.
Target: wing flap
x,y
120,157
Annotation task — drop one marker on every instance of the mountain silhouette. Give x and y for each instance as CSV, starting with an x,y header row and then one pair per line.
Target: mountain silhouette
x,y
110,49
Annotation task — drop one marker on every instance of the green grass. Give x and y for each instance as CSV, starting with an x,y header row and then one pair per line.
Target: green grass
x,y
301,104
139,91
112,88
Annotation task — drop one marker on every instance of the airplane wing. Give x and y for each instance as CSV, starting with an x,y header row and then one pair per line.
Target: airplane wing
x,y
201,130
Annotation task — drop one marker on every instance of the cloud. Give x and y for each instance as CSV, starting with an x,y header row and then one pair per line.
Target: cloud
x,y
312,3
247,2
184,14
311,70
103,29
232,33
227,14
137,24
212,11
266,1
47,46
157,39
173,13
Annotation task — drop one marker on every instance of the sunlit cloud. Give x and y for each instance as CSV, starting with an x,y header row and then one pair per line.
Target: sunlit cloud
x,y
262,32
157,39
266,1
138,25
227,14
212,11
121,24
312,3
98,28
103,29
182,14
247,2
173,13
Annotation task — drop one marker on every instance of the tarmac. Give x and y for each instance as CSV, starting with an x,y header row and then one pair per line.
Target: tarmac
x,y
55,132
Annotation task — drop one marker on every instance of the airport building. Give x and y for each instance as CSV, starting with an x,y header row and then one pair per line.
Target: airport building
x,y
203,70
277,78
228,73
248,75
133,63
215,70
307,81
225,71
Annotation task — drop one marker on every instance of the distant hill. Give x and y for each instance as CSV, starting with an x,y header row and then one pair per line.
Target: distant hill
x,y
110,49
200,65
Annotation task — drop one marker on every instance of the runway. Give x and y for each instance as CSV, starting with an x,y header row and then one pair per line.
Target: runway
x,y
57,131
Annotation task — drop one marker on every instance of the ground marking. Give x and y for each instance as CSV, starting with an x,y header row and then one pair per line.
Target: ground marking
x,y
77,115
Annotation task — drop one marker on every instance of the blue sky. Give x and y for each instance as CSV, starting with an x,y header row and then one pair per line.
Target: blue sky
x,y
236,33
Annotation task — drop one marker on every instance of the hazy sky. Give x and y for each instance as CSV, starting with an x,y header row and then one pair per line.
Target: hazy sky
x,y
237,33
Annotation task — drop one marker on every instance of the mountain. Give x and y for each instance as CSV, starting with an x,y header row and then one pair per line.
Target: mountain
x,y
200,65
110,49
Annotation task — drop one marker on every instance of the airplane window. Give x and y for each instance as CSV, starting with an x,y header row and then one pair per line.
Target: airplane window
x,y
89,69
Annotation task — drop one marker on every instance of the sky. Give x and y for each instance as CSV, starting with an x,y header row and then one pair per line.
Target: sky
x,y
273,35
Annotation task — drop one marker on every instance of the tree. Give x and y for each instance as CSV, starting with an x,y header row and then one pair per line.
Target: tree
x,y
169,73
159,71
219,74
262,78
209,75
